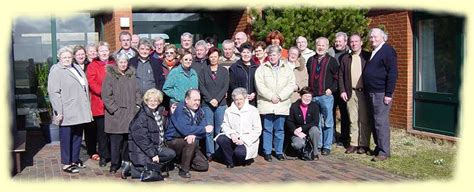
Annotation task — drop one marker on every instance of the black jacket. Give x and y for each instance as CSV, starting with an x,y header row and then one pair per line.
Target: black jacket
x,y
144,136
295,119
157,70
213,89
239,77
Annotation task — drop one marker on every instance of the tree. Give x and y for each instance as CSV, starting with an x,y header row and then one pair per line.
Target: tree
x,y
309,22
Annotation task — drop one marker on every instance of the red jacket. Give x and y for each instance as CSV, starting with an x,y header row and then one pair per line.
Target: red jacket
x,y
95,75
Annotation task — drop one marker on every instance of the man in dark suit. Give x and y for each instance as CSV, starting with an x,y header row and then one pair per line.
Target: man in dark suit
x,y
380,77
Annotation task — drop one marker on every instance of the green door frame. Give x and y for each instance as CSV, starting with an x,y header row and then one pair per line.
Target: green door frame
x,y
440,99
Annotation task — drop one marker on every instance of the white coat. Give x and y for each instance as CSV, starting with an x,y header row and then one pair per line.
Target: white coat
x,y
246,124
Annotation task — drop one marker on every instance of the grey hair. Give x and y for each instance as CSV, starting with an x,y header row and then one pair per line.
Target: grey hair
x,y
239,91
64,49
301,37
201,43
378,30
228,41
326,40
158,39
120,56
338,34
273,48
187,95
91,45
187,34
146,42
153,93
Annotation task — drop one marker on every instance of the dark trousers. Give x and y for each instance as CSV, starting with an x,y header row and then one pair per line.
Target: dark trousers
x,y
70,138
118,149
379,121
231,151
189,154
90,137
344,137
102,137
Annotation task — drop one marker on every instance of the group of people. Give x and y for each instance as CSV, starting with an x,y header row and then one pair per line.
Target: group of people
x,y
150,103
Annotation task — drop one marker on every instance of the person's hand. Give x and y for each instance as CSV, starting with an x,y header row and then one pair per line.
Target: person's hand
x,y
251,96
173,107
214,102
275,99
234,137
156,159
239,142
387,100
209,128
344,96
58,117
328,92
190,139
297,130
301,135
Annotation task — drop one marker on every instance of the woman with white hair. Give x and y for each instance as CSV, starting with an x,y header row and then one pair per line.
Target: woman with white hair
x,y
240,131
68,91
121,97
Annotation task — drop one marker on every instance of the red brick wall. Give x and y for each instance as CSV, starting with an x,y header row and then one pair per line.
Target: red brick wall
x,y
239,22
112,27
398,27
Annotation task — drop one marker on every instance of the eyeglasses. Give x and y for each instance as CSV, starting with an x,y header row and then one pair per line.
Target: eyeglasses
x,y
169,53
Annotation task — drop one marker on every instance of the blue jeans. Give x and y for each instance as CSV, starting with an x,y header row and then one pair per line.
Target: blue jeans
x,y
326,121
214,116
273,132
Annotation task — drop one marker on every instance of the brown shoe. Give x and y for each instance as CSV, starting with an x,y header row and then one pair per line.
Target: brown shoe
x,y
379,158
362,150
351,149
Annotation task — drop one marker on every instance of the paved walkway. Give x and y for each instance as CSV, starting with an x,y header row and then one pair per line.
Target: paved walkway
x,y
42,162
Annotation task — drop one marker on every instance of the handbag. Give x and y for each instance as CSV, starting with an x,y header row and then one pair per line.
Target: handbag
x,y
306,152
151,173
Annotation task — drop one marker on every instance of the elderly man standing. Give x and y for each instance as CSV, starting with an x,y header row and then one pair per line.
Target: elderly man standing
x,y
239,39
302,45
200,58
187,43
187,126
159,44
149,72
135,41
340,48
352,92
322,73
380,77
229,56
125,42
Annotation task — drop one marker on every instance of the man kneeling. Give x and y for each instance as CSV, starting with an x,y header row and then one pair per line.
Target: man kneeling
x,y
186,127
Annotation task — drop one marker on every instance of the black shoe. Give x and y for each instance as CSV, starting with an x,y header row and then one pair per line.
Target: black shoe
x,y
248,162
325,152
230,166
184,174
267,157
126,168
102,162
71,169
113,169
79,164
280,157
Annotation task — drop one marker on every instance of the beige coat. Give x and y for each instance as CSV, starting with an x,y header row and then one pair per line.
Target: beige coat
x,y
270,84
68,96
246,124
301,77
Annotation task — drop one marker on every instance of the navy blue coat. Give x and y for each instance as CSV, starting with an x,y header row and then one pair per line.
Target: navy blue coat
x,y
155,67
182,123
380,72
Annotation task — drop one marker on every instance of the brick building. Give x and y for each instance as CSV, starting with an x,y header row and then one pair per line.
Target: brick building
x,y
430,54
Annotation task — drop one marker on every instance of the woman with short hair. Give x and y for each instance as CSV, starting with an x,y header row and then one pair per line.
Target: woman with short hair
x,y
241,130
146,143
68,91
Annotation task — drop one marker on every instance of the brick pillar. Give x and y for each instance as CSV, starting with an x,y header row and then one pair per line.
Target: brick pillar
x,y
240,21
112,27
398,27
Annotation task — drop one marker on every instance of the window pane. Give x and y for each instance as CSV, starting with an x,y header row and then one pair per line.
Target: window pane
x,y
437,55
76,30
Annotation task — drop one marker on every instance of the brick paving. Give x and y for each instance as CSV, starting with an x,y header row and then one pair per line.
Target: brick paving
x,y
42,163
